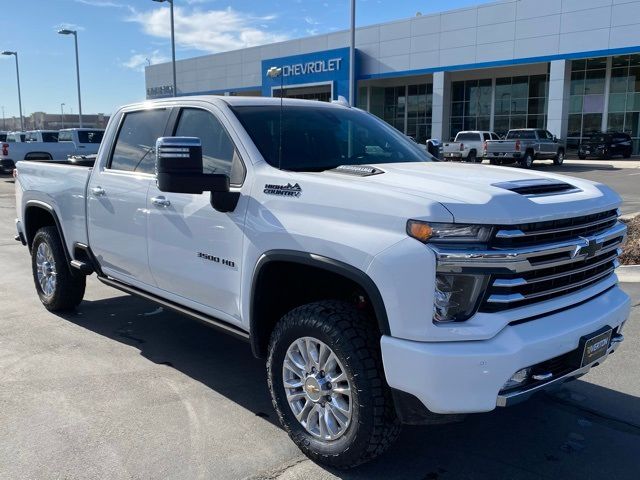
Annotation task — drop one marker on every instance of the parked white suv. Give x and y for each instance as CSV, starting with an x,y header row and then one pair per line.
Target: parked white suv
x,y
380,286
468,145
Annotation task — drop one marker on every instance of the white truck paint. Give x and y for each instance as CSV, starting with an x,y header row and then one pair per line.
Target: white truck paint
x,y
468,146
531,256
46,145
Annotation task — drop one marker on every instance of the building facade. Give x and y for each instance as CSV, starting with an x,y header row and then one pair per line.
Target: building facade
x,y
571,66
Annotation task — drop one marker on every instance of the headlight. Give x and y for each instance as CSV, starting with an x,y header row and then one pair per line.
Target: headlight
x,y
447,232
456,296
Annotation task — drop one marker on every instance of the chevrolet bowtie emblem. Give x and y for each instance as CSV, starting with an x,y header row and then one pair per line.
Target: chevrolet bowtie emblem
x,y
591,249
312,389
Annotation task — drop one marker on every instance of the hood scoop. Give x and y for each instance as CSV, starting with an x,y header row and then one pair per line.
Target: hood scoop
x,y
538,187
358,170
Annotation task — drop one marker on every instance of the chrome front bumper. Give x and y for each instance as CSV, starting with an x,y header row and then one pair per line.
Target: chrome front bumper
x,y
512,398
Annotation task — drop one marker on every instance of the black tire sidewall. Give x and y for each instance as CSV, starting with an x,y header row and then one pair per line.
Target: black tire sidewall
x,y
527,164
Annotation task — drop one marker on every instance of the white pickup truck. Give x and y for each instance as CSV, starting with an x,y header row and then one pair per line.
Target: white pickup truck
x,y
380,286
468,146
48,145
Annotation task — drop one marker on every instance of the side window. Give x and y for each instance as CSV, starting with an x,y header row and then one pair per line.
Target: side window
x,y
486,136
65,137
494,136
218,151
136,142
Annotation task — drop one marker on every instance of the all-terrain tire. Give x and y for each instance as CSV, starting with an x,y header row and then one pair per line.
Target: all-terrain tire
x,y
69,287
354,339
527,160
559,158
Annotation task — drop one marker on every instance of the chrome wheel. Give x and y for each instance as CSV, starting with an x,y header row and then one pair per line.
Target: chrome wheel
x,y
560,159
46,269
317,388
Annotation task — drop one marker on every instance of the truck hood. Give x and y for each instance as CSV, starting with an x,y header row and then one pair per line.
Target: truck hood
x,y
495,195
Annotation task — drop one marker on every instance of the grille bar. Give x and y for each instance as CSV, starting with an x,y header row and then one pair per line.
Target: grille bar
x,y
519,233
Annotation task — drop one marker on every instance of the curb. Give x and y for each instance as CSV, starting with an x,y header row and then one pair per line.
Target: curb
x,y
628,273
629,216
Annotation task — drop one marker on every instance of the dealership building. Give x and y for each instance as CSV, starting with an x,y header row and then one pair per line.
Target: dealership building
x,y
570,66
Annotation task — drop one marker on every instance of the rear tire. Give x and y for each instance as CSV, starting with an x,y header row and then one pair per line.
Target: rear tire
x,y
59,288
472,157
627,154
371,425
559,159
494,161
527,161
582,157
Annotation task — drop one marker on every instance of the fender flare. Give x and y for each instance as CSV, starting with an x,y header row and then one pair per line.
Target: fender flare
x,y
49,209
319,261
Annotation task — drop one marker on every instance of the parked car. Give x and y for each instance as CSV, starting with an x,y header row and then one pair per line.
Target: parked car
x,y
468,146
16,137
380,286
44,145
523,146
434,147
606,145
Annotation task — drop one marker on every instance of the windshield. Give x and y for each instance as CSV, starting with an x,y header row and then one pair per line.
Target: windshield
x,y
321,138
468,137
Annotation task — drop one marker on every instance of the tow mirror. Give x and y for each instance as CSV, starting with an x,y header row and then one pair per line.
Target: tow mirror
x,y
179,167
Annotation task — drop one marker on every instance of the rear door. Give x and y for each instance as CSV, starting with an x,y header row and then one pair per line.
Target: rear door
x,y
117,210
195,251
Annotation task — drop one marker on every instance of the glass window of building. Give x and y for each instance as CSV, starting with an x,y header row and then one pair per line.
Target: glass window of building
x,y
586,99
419,111
624,97
521,102
470,106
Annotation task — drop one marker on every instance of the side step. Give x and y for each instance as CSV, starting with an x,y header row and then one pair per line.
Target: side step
x,y
210,321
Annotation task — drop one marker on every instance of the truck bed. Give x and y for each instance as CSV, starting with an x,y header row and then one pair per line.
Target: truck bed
x,y
63,186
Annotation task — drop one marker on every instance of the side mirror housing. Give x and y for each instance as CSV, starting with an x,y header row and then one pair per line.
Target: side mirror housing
x,y
555,139
179,167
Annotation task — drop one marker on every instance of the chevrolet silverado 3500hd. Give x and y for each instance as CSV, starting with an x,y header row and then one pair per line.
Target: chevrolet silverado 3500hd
x,y
381,287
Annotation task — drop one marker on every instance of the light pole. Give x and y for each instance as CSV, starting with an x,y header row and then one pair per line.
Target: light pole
x,y
173,46
15,54
65,31
352,55
62,114
4,123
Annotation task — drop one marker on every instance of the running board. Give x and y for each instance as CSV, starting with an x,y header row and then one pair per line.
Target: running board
x,y
210,321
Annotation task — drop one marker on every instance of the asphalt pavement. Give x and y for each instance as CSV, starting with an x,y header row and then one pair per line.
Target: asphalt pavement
x,y
124,390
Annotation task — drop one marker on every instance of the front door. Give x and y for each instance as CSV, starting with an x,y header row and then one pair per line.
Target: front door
x,y
194,250
117,194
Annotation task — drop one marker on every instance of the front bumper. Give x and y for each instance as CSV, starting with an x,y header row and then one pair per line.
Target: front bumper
x,y
468,376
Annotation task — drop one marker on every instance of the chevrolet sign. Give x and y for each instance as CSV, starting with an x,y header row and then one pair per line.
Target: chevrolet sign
x,y
319,66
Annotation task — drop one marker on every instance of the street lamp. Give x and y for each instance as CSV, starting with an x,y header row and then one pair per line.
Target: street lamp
x,y
62,114
6,52
173,46
65,31
352,55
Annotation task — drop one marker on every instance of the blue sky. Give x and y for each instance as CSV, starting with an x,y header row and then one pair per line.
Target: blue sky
x,y
118,37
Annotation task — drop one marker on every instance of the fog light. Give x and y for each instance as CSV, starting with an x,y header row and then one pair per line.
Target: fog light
x,y
518,379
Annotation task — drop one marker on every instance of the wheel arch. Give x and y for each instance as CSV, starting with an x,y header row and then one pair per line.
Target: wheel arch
x,y
39,214
264,319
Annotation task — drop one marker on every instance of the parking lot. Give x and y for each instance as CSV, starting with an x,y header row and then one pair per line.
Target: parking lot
x,y
123,389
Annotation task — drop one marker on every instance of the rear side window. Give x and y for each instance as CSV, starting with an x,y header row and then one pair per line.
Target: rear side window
x,y
136,142
521,134
49,137
494,136
486,136
468,137
90,136
3,137
218,151
65,137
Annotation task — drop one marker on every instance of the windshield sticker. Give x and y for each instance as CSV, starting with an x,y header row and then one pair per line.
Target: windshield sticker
x,y
287,190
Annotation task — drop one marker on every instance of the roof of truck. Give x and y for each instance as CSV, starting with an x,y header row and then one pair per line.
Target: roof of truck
x,y
248,101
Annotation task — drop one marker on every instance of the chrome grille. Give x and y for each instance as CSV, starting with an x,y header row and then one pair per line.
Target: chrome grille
x,y
549,263
554,230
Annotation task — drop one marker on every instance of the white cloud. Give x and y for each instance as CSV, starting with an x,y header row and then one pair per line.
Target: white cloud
x,y
139,60
102,3
208,30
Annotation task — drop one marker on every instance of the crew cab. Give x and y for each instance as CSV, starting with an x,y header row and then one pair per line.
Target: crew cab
x,y
47,145
523,146
380,286
468,145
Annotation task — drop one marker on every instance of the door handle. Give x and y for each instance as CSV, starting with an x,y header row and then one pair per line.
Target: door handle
x,y
98,191
160,202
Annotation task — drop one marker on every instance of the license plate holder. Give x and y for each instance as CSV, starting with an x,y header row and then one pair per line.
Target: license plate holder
x,y
594,346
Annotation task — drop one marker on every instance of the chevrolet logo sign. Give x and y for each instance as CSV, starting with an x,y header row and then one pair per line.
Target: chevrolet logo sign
x,y
592,248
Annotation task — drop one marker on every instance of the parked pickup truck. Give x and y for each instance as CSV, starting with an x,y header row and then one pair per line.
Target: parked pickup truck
x,y
468,146
380,286
47,145
523,146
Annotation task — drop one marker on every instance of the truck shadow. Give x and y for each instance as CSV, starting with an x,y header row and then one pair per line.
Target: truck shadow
x,y
548,437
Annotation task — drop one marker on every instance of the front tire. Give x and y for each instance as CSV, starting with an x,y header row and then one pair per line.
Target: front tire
x,y
327,385
59,288
559,159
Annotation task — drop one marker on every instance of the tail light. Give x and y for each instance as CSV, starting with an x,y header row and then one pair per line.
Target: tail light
x,y
462,147
5,149
485,146
518,145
